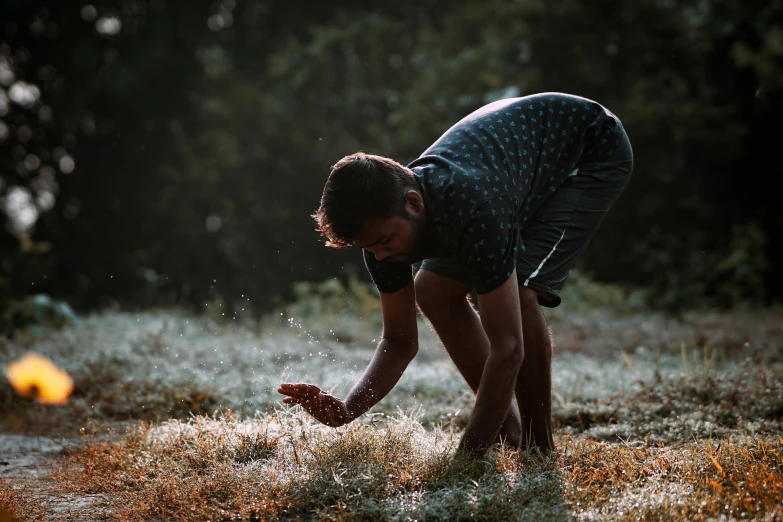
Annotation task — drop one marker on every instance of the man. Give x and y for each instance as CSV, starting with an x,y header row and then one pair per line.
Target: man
x,y
504,202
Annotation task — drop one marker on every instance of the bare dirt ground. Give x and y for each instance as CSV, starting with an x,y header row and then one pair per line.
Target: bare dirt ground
x,y
26,464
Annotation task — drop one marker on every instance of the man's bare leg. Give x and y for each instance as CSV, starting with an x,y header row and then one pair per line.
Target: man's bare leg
x,y
444,303
534,384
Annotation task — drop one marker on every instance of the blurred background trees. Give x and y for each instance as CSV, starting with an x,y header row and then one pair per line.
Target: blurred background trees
x,y
157,152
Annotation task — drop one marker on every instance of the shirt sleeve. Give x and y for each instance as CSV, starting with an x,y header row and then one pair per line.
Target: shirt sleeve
x,y
388,277
489,243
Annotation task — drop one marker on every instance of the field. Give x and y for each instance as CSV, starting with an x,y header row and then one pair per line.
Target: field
x,y
176,417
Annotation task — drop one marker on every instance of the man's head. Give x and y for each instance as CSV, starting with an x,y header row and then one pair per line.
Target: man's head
x,y
375,203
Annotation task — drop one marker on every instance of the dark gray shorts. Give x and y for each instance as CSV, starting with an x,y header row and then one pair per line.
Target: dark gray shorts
x,y
561,228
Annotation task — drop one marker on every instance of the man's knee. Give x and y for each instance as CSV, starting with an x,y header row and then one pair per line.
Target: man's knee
x,y
436,295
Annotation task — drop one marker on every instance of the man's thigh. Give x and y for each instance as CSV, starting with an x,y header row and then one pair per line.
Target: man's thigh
x,y
435,290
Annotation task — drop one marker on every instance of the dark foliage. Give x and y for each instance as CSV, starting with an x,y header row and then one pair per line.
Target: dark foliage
x,y
202,134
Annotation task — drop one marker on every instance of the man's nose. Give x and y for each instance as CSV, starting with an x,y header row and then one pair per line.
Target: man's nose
x,y
381,254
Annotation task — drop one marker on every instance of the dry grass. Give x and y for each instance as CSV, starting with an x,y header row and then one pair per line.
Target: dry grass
x,y
700,480
656,419
703,446
286,468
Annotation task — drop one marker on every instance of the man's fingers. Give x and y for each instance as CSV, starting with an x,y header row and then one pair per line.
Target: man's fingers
x,y
287,391
295,400
301,396
295,393
299,389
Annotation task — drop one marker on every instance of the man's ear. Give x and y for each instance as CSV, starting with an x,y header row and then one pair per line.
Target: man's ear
x,y
414,200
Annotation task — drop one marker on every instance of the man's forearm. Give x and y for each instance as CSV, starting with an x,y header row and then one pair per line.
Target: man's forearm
x,y
385,369
493,400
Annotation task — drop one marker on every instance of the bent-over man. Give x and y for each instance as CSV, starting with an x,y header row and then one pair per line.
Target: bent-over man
x,y
504,203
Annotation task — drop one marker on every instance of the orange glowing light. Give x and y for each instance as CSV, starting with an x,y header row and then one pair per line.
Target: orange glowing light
x,y
36,376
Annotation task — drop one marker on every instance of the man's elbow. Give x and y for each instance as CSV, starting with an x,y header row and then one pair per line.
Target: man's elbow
x,y
405,349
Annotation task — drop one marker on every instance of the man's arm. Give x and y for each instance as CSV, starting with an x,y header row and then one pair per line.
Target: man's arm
x,y
502,321
399,344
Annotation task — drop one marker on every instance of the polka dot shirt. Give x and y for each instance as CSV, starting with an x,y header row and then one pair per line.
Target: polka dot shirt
x,y
484,178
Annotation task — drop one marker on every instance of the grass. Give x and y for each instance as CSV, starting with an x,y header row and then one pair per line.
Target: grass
x,y
287,468
657,418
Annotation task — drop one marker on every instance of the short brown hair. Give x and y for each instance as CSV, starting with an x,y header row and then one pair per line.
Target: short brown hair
x,y
360,187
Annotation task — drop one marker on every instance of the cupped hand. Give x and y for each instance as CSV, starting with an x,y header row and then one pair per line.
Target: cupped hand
x,y
326,408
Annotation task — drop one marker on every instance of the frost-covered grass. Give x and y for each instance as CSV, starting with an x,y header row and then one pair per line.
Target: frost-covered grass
x,y
657,418
157,366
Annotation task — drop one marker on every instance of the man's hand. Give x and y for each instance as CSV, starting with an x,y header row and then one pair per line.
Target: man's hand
x,y
500,314
326,408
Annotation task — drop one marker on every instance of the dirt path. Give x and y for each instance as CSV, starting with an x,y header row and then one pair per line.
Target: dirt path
x,y
26,463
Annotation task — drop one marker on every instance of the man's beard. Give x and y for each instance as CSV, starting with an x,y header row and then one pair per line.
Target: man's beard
x,y
416,245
